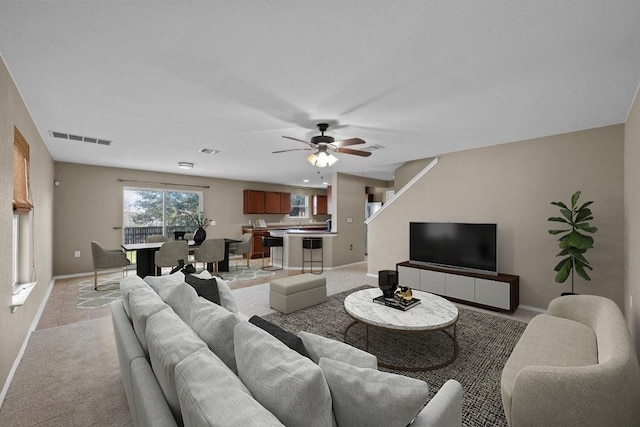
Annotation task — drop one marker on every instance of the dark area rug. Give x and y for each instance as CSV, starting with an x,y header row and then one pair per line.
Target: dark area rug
x,y
485,342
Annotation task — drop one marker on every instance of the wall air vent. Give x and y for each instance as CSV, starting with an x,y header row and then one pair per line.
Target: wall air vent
x,y
372,147
79,138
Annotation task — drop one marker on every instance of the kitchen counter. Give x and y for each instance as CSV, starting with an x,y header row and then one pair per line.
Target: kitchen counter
x,y
292,247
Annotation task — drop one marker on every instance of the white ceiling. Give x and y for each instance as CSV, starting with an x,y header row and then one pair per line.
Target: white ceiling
x,y
420,78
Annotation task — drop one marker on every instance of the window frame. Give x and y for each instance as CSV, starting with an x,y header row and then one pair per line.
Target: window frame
x,y
294,206
15,264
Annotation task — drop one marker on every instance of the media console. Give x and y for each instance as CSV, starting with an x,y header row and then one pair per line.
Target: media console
x,y
498,293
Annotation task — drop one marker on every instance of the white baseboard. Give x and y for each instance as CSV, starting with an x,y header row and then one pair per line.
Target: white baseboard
x,y
31,328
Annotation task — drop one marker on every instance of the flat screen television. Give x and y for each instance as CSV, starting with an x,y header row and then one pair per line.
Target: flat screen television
x,y
467,247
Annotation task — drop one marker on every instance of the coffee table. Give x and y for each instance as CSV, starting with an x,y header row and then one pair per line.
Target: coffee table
x,y
433,314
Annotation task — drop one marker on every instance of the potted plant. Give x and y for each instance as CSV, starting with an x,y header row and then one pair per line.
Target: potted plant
x,y
573,241
201,222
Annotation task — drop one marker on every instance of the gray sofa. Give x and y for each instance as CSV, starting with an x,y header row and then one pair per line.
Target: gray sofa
x,y
187,361
573,366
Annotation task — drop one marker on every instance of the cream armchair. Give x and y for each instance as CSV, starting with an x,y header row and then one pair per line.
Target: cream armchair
x,y
106,258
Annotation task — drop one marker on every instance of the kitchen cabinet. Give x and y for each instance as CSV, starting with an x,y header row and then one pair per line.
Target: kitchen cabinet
x,y
266,202
320,205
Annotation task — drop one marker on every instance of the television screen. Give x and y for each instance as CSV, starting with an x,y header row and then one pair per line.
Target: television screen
x,y
454,245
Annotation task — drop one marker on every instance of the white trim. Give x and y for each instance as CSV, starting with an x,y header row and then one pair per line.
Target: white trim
x,y
403,189
531,308
32,328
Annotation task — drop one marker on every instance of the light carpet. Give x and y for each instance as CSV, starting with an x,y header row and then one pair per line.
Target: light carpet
x,y
69,376
485,342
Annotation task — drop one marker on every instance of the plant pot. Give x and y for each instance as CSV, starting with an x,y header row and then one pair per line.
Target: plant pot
x,y
200,235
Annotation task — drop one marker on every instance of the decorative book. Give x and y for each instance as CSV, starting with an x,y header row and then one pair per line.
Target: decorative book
x,y
396,303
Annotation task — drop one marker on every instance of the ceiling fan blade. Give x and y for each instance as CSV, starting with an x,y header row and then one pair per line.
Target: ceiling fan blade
x,y
311,144
346,142
293,149
352,151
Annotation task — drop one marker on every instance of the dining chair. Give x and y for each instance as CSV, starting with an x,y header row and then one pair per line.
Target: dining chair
x,y
107,258
155,238
210,251
243,247
170,254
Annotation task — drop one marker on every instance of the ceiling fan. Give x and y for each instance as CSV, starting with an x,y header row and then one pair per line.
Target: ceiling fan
x,y
325,146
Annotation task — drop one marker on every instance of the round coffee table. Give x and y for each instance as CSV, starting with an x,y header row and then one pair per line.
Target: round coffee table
x,y
433,314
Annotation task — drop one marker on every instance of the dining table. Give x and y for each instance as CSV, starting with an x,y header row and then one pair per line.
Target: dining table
x,y
145,256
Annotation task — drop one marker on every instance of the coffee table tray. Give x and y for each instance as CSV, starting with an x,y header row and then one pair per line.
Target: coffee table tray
x,y
397,304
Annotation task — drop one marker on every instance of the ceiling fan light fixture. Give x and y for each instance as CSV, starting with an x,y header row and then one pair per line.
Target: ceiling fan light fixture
x,y
322,159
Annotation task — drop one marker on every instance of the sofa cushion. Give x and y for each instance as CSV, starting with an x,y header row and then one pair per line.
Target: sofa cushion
x,y
226,297
369,398
128,285
181,298
206,288
318,346
164,284
289,385
211,395
215,326
170,341
290,340
549,341
144,303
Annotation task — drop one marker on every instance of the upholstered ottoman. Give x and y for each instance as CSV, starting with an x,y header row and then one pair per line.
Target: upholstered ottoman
x,y
297,292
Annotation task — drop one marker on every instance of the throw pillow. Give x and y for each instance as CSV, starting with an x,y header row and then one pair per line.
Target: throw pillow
x,y
290,340
226,297
364,397
318,347
206,288
290,386
181,298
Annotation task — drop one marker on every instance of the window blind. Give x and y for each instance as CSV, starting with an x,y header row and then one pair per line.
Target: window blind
x,y
21,203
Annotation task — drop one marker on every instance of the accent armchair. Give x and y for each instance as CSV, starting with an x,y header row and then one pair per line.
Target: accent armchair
x,y
170,254
106,258
243,247
211,250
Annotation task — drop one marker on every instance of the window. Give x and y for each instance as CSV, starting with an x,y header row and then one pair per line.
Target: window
x,y
149,211
299,206
14,262
21,204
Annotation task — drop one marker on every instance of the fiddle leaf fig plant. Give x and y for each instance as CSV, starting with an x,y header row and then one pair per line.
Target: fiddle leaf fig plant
x,y
573,241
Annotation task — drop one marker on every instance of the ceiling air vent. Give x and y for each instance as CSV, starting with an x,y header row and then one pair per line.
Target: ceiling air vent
x,y
79,138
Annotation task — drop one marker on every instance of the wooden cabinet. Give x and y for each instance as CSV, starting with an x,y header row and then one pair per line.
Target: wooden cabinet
x,y
285,203
500,293
266,202
254,202
271,202
320,205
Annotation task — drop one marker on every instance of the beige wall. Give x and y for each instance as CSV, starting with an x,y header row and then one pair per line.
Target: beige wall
x,y
407,171
632,221
513,185
36,232
88,205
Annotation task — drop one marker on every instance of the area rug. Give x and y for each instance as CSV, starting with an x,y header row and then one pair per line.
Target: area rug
x,y
88,297
252,272
485,342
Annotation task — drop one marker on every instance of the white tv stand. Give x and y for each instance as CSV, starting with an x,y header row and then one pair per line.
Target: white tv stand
x,y
498,293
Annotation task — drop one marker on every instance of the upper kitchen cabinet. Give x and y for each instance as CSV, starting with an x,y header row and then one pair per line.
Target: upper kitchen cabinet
x,y
254,202
271,202
266,202
320,205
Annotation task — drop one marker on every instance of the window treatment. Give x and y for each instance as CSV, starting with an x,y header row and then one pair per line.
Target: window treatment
x,y
21,203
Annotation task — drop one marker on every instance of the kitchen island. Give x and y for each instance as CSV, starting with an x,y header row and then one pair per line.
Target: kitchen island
x,y
292,247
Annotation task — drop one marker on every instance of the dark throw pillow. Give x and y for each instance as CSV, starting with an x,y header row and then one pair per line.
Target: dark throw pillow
x,y
206,288
290,340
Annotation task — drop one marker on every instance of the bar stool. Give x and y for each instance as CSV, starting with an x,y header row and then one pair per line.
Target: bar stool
x,y
308,245
272,242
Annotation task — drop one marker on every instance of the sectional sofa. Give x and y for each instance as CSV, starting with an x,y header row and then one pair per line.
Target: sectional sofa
x,y
188,361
